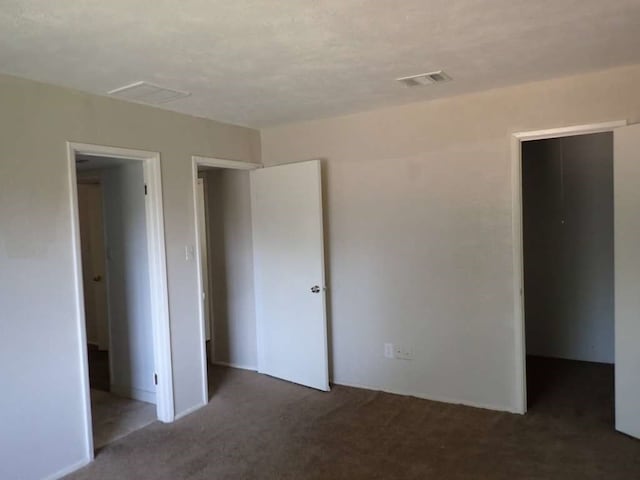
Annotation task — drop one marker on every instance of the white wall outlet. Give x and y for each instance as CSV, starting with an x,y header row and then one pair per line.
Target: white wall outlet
x,y
403,353
388,350
189,252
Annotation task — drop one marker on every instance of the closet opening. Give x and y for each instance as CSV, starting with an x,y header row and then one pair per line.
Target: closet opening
x,y
568,253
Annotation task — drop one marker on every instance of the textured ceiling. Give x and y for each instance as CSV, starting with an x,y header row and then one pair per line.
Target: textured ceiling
x,y
262,63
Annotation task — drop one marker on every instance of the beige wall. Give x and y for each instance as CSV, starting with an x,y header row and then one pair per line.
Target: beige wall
x,y
419,240
40,348
418,202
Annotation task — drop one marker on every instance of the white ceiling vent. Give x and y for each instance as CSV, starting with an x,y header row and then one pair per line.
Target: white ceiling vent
x,y
146,92
425,79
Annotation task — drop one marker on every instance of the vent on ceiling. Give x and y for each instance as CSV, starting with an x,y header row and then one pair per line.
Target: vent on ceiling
x,y
425,79
146,92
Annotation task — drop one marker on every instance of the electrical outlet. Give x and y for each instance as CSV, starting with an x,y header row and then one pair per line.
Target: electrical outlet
x,y
403,353
388,350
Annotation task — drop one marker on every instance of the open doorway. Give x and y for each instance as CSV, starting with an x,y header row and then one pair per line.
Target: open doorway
x,y
568,240
117,297
223,210
121,287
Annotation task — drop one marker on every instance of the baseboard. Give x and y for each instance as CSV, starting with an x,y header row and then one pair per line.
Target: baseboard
x,y
235,365
432,398
67,470
406,393
134,393
189,411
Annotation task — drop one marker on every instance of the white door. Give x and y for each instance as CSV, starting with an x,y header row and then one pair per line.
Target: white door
x,y
286,209
626,188
93,263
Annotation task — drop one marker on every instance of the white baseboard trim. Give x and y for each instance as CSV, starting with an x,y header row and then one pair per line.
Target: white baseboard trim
x,y
67,470
432,398
407,393
134,393
189,411
235,365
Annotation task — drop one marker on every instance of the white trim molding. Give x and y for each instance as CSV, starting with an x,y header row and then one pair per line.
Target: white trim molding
x,y
157,276
223,163
518,256
441,399
569,131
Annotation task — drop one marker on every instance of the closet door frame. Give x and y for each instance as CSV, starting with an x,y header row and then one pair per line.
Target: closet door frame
x,y
210,162
520,374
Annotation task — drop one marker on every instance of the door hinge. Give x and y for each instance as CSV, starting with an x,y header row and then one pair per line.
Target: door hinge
x,y
155,379
145,188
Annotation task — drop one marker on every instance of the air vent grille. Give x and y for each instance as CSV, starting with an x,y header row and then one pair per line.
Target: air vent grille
x,y
145,92
425,79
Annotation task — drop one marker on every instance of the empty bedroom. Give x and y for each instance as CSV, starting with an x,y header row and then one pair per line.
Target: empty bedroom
x,y
348,239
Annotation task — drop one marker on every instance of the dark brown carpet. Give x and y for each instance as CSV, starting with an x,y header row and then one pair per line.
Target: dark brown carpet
x,y
257,427
571,390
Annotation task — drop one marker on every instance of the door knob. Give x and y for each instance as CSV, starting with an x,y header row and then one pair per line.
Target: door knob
x,y
97,278
315,289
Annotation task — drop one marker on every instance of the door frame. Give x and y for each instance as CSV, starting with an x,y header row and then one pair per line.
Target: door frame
x,y
204,259
199,161
157,276
518,249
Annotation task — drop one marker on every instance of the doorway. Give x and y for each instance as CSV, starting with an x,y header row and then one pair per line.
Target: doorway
x,y
626,267
226,268
567,209
264,306
121,290
117,300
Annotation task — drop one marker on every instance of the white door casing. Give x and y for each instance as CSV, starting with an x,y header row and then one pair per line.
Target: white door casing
x,y
157,273
203,249
196,163
626,199
520,390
